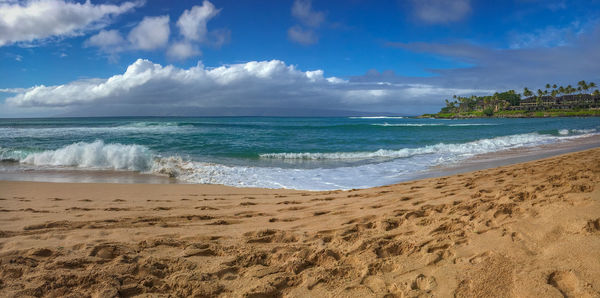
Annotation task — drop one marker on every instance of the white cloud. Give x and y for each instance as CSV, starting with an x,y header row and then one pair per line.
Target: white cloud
x,y
441,11
302,10
151,33
36,20
109,41
192,23
183,50
257,84
302,36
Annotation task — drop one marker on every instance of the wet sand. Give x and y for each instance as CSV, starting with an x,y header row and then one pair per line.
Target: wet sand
x,y
524,230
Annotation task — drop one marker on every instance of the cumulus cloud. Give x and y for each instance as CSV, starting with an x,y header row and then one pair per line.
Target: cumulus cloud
x,y
192,22
108,41
302,10
256,84
441,11
151,33
154,33
37,20
192,25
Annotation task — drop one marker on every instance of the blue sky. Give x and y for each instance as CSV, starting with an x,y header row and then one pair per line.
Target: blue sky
x,y
402,56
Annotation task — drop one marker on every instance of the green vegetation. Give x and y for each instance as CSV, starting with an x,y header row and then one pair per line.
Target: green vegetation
x,y
553,101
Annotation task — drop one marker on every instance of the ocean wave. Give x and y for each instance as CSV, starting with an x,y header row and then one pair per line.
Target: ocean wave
x,y
564,132
30,132
378,117
95,155
470,148
150,124
432,124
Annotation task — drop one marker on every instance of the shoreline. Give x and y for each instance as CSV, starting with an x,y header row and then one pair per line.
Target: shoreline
x,y
527,229
519,116
477,162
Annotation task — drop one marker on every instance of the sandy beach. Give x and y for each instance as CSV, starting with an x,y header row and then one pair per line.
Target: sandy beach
x,y
524,230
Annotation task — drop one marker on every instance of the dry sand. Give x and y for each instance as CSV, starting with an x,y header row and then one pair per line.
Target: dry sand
x,y
525,230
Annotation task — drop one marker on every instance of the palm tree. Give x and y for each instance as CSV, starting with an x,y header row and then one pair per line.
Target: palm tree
x,y
569,89
582,86
561,90
527,92
596,92
554,86
592,85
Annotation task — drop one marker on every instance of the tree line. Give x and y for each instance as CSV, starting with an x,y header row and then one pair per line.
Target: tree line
x,y
502,100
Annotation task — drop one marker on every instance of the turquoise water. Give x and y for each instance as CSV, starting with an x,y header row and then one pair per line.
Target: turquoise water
x,y
301,153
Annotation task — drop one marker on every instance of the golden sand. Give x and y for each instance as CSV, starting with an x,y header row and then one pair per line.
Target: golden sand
x,y
525,230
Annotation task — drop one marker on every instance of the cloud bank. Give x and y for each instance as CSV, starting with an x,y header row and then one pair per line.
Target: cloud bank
x,y
257,84
37,20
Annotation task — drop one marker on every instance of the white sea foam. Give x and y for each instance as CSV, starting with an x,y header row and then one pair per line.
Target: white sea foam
x,y
564,132
432,124
96,155
470,148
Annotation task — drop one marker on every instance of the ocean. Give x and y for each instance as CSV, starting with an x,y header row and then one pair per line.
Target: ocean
x,y
295,153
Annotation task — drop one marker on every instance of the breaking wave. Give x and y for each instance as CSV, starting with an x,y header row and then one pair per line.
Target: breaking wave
x,y
470,148
433,124
95,155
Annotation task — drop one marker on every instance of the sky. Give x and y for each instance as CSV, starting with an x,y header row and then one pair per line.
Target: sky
x,y
284,57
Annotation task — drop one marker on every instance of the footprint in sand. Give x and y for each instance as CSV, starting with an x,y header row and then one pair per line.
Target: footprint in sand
x,y
206,208
593,226
569,285
424,283
288,202
247,204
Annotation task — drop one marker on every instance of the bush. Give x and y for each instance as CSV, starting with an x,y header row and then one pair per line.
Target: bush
x,y
488,112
